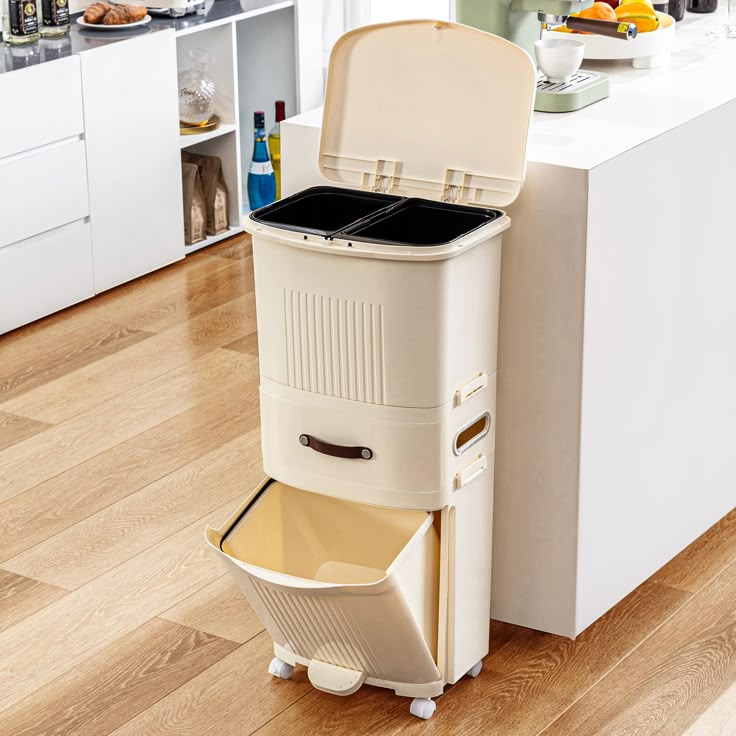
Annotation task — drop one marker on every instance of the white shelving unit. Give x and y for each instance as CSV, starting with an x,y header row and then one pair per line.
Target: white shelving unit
x,y
193,139
255,63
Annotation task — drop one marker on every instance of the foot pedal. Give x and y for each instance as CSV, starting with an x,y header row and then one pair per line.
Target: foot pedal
x,y
333,679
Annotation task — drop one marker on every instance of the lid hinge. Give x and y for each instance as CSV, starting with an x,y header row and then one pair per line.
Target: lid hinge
x,y
452,191
385,176
382,184
451,194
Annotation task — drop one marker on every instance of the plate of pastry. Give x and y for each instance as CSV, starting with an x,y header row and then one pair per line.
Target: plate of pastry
x,y
105,17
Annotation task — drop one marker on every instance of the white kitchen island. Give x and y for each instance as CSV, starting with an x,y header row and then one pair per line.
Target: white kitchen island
x,y
616,427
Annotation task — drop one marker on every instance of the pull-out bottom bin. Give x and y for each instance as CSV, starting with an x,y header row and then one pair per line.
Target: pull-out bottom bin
x,y
349,589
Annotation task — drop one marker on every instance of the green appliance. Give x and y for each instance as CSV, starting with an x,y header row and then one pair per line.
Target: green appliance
x,y
519,21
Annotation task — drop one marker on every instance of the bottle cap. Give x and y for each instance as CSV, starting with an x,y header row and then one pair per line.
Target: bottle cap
x,y
280,110
259,119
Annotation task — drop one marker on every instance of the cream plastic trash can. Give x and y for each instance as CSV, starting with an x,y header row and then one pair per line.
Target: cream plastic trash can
x,y
341,586
377,308
375,305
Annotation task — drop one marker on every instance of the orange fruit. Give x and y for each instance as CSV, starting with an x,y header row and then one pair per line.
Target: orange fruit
x,y
599,11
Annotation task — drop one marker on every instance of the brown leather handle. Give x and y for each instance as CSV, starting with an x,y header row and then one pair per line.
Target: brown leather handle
x,y
327,448
610,28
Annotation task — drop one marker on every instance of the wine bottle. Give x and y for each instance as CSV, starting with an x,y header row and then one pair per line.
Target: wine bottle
x,y
261,179
54,18
274,144
20,22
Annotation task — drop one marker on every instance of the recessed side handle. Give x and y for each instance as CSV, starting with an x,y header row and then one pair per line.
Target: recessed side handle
x,y
327,448
471,433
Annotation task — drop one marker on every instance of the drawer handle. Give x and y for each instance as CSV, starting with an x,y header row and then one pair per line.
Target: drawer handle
x,y
327,448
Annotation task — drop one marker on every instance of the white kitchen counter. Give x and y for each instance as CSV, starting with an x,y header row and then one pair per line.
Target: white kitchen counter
x,y
644,103
616,390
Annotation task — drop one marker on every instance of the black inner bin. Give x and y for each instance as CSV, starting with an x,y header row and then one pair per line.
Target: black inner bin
x,y
423,223
323,210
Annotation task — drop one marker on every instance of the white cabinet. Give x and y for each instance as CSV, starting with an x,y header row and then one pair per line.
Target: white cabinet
x,y
45,273
134,171
45,252
91,153
43,189
41,104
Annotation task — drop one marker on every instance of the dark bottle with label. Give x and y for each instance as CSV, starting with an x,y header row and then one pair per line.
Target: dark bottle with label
x,y
20,22
676,8
54,18
702,6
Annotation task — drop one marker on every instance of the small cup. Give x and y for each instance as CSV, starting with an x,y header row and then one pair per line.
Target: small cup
x,y
559,58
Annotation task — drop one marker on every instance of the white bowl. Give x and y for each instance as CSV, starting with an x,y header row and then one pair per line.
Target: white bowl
x,y
559,58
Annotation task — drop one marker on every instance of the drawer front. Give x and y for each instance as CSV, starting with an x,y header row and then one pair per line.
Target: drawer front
x,y
43,190
44,274
48,99
315,442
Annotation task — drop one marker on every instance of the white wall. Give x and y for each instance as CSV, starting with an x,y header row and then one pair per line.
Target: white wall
x,y
383,11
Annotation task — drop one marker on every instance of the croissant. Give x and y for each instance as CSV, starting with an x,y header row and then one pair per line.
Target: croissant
x,y
136,12
123,14
96,12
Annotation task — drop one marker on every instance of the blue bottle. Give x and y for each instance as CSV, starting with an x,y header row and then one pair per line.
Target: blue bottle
x,y
261,179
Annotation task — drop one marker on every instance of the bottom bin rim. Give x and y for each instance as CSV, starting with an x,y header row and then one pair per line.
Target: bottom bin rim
x,y
215,538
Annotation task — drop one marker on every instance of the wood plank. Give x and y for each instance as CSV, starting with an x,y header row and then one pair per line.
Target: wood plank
x,y
234,696
21,596
220,609
702,560
141,519
502,633
117,683
151,294
205,427
221,325
371,710
237,248
15,428
526,681
671,679
82,389
719,719
247,344
60,502
60,636
50,453
21,372
196,296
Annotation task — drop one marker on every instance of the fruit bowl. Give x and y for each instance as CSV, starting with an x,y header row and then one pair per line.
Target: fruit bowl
x,y
646,51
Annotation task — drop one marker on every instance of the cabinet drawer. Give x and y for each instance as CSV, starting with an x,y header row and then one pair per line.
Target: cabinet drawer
x,y
42,190
47,105
44,274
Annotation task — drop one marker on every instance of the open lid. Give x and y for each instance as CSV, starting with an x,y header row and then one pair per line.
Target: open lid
x,y
428,109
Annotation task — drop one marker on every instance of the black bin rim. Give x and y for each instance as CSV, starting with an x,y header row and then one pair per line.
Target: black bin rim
x,y
353,232
261,215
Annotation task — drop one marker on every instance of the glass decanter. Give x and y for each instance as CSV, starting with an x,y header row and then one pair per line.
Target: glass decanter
x,y
196,90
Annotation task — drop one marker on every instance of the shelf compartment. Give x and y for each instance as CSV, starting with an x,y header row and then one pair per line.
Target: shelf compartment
x,y
227,148
194,139
212,239
219,43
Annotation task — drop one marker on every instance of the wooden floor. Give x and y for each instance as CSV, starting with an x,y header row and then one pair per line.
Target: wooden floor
x,y
130,422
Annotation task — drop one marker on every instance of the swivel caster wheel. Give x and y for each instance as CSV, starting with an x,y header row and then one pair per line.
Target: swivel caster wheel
x,y
422,708
474,671
279,668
